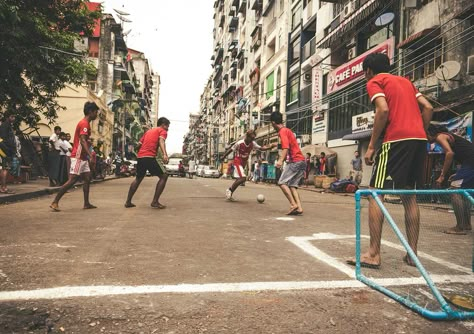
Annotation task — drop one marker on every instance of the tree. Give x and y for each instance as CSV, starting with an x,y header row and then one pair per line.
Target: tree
x,y
38,57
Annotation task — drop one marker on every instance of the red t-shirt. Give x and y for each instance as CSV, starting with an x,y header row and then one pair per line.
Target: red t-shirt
x,y
242,151
150,142
288,141
404,117
83,128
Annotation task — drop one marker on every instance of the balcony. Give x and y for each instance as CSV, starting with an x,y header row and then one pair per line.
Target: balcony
x,y
255,76
222,21
257,5
268,6
219,57
233,24
256,37
309,49
243,7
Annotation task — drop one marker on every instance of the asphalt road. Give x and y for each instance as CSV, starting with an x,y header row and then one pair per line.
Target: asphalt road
x,y
202,265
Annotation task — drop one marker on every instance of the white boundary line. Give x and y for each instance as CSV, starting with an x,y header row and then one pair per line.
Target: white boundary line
x,y
301,242
112,290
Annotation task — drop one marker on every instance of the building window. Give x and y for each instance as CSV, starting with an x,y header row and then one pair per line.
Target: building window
x,y
295,51
270,84
294,89
295,17
343,108
423,62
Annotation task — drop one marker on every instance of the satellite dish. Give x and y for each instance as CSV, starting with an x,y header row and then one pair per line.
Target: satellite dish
x,y
384,19
448,70
121,12
124,19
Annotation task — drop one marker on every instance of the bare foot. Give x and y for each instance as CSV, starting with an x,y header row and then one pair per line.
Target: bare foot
x,y
409,261
129,205
367,261
292,209
55,207
455,230
158,206
89,207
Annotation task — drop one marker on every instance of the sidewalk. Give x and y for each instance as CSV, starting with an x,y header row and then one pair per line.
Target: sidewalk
x,y
35,188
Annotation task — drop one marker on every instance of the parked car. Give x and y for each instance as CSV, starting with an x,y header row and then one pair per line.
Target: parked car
x,y
210,171
199,169
172,167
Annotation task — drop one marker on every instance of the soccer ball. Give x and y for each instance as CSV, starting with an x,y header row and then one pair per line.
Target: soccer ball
x,y
260,198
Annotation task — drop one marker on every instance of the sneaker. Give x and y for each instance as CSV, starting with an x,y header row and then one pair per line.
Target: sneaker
x,y
228,195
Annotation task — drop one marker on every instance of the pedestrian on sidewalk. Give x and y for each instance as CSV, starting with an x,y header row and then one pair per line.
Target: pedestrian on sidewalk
x,y
294,170
307,170
403,114
8,147
15,170
356,170
151,156
54,158
64,150
80,157
242,149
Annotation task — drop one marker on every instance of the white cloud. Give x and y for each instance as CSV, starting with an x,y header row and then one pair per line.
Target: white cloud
x,y
176,36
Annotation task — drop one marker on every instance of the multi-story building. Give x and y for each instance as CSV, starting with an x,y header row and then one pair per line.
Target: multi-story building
x,y
249,71
144,88
155,99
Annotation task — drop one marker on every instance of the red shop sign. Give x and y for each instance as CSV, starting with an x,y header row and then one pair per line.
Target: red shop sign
x,y
352,71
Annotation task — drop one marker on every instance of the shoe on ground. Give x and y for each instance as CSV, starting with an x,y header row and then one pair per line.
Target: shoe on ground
x,y
228,194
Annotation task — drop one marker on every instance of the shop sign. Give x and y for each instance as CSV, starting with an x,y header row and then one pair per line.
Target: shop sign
x,y
363,122
317,78
319,126
353,71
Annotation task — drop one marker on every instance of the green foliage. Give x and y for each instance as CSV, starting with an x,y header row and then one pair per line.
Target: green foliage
x,y
31,71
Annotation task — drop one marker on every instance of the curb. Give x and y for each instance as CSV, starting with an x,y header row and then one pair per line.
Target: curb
x,y
5,200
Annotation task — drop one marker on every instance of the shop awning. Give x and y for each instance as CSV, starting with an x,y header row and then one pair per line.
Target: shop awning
x,y
358,135
415,37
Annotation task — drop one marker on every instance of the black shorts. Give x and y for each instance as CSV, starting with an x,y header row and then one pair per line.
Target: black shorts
x,y
149,164
399,165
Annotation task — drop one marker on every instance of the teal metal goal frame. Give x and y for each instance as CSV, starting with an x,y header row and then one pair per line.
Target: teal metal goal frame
x,y
446,312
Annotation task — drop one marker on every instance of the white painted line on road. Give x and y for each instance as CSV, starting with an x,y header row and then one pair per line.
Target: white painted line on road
x,y
304,243
447,264
113,290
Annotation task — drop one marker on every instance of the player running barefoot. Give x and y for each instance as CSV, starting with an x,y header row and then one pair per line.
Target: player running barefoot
x,y
294,171
152,141
242,149
80,157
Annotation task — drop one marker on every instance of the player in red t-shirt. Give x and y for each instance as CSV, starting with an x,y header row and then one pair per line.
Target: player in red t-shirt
x,y
399,163
80,157
152,141
242,149
294,171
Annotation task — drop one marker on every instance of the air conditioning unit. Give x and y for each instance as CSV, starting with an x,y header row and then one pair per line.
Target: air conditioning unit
x,y
305,139
352,53
470,65
349,8
307,77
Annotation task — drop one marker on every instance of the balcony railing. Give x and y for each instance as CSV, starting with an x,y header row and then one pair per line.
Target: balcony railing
x,y
256,37
309,49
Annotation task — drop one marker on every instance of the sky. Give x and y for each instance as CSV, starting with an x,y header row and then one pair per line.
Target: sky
x,y
176,37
